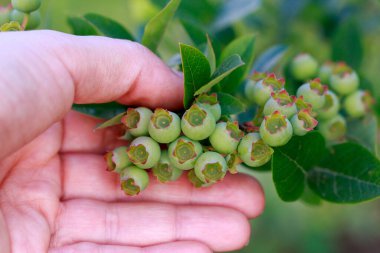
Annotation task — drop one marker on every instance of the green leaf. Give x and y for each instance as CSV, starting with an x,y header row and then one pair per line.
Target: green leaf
x,y
111,122
347,44
210,54
349,174
242,46
156,27
230,104
364,132
267,60
229,65
103,111
108,27
290,164
81,27
196,71
232,11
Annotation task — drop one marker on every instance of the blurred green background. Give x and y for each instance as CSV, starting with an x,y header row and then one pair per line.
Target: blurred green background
x,y
317,27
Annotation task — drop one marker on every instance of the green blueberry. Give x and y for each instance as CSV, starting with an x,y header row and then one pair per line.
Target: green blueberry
x,y
301,104
253,151
303,122
344,80
210,102
210,167
183,153
259,91
331,106
164,126
197,123
133,180
325,72
4,15
358,103
276,130
164,170
33,18
313,92
233,160
144,152
195,181
333,129
282,102
226,137
137,121
26,6
117,159
304,67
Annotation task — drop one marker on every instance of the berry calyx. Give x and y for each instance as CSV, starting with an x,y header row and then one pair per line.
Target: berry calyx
x,y
304,67
253,151
164,170
210,102
303,122
344,80
331,106
183,153
358,103
26,6
282,102
197,123
164,126
144,152
226,137
210,167
233,160
313,92
276,130
117,159
137,120
260,91
301,104
133,180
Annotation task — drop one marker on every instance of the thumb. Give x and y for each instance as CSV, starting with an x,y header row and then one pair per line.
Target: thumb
x,y
45,72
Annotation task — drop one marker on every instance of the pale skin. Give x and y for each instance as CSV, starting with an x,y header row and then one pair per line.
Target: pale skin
x,y
55,194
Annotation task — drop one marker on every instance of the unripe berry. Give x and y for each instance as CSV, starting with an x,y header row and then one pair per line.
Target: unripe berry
x,y
226,137
211,103
282,102
331,106
358,103
197,123
133,180
26,5
313,92
249,88
33,18
164,170
253,151
233,160
276,130
304,67
144,152
4,15
344,80
260,91
325,72
137,120
333,129
117,159
303,122
195,181
210,167
301,104
164,126
183,153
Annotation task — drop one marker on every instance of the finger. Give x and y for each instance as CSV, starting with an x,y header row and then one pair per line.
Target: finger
x,y
80,136
59,69
84,176
87,247
143,224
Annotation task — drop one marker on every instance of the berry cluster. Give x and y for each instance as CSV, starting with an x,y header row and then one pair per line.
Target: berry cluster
x,y
199,142
25,12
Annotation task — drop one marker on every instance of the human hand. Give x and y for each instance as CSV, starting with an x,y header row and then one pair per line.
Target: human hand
x,y
55,194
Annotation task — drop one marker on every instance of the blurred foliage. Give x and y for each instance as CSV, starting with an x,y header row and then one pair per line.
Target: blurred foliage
x,y
328,29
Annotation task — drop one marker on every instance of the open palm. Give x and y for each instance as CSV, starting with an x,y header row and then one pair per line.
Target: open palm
x,y
55,194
